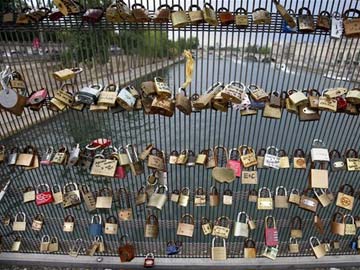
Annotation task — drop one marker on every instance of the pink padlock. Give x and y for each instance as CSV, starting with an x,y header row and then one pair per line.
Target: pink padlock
x,y
271,232
235,163
37,97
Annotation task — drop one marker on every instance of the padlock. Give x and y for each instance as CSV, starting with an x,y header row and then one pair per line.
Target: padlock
x,y
210,15
184,197
338,224
126,249
352,160
60,156
351,26
336,161
71,197
264,203
136,165
218,103
234,163
111,225
241,228
319,152
293,245
125,98
218,253
76,248
173,248
307,202
241,18
319,177
69,223
155,159
253,196
323,21
271,252
275,100
313,99
285,14
226,17
182,102
319,225
353,96
305,21
8,16
228,197
221,228
345,198
260,158
37,98
19,225
294,196
206,226
350,228
145,153
179,17
163,106
125,212
149,261
233,92
271,233
162,14
271,112
261,16
151,227
22,17
88,94
335,244
326,103
53,245
296,227
214,198
184,228
141,196
44,243
284,162
289,105
26,158
173,157
257,93
93,15
89,198
211,162
319,249
196,16
43,197
271,158
63,97
249,176
182,158
38,222
201,158
308,114
281,200
221,173
123,157
140,13
299,159
95,227
175,195
204,101
110,95
86,158
112,13
322,197
162,88
28,194
120,171
249,249
16,244
66,74
200,197
297,97
67,7
46,160
157,199
104,199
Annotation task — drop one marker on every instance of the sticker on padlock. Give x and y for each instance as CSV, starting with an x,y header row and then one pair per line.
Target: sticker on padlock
x,y
271,158
43,197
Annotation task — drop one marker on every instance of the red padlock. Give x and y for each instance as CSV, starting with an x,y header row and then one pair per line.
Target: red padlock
x,y
98,143
43,197
149,260
37,97
271,233
235,164
341,103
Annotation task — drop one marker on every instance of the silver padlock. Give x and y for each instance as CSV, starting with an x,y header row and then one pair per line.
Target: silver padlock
x,y
74,155
126,99
14,152
88,94
46,160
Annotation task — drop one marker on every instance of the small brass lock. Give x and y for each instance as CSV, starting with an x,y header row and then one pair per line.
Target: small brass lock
x,y
179,18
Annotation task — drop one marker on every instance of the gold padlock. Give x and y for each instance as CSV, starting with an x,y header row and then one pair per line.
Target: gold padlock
x,y
264,203
200,197
69,223
228,197
218,253
214,198
350,228
284,162
293,245
323,21
297,97
186,229
184,197
19,225
44,243
182,158
299,159
338,224
38,222
125,212
28,194
201,158
162,88
173,157
253,196
241,18
345,199
296,227
16,244
66,74
179,18
351,26
111,225
151,227
104,199
54,244
305,21
141,196
206,226
294,196
196,16
209,14
249,249
281,200
221,228
353,96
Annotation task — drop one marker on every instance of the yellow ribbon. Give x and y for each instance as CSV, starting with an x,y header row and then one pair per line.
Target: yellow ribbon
x,y
189,69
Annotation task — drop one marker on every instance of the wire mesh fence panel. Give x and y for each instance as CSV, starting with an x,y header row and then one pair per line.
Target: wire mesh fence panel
x,y
131,53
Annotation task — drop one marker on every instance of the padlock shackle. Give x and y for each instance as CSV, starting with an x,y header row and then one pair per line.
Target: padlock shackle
x,y
271,148
127,198
161,187
39,217
222,9
219,219
296,220
124,236
233,150
336,215
54,187
193,6
347,12
351,153
247,241
152,218
342,188
42,185
308,12
264,188
267,218
22,214
132,154
216,237
334,152
204,220
346,216
93,219
316,239
187,215
240,214
281,188
216,154
293,240
208,5
69,218
107,191
43,238
70,184
261,152
77,245
213,190
318,143
325,13
112,220
228,192
99,238
186,190
241,11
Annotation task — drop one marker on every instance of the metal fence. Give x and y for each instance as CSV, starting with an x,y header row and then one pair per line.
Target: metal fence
x,y
220,56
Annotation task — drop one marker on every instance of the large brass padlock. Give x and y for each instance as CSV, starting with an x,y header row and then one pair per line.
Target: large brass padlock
x,y
186,229
307,202
209,14
234,92
241,18
345,198
351,26
305,21
271,112
338,224
38,222
179,18
214,198
182,102
319,177
156,160
299,159
140,13
151,227
218,253
294,196
249,249
196,16
222,227
162,88
264,199
71,197
184,197
281,200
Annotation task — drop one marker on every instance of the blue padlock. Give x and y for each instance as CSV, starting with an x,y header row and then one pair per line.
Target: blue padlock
x,y
173,248
95,229
257,104
353,244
